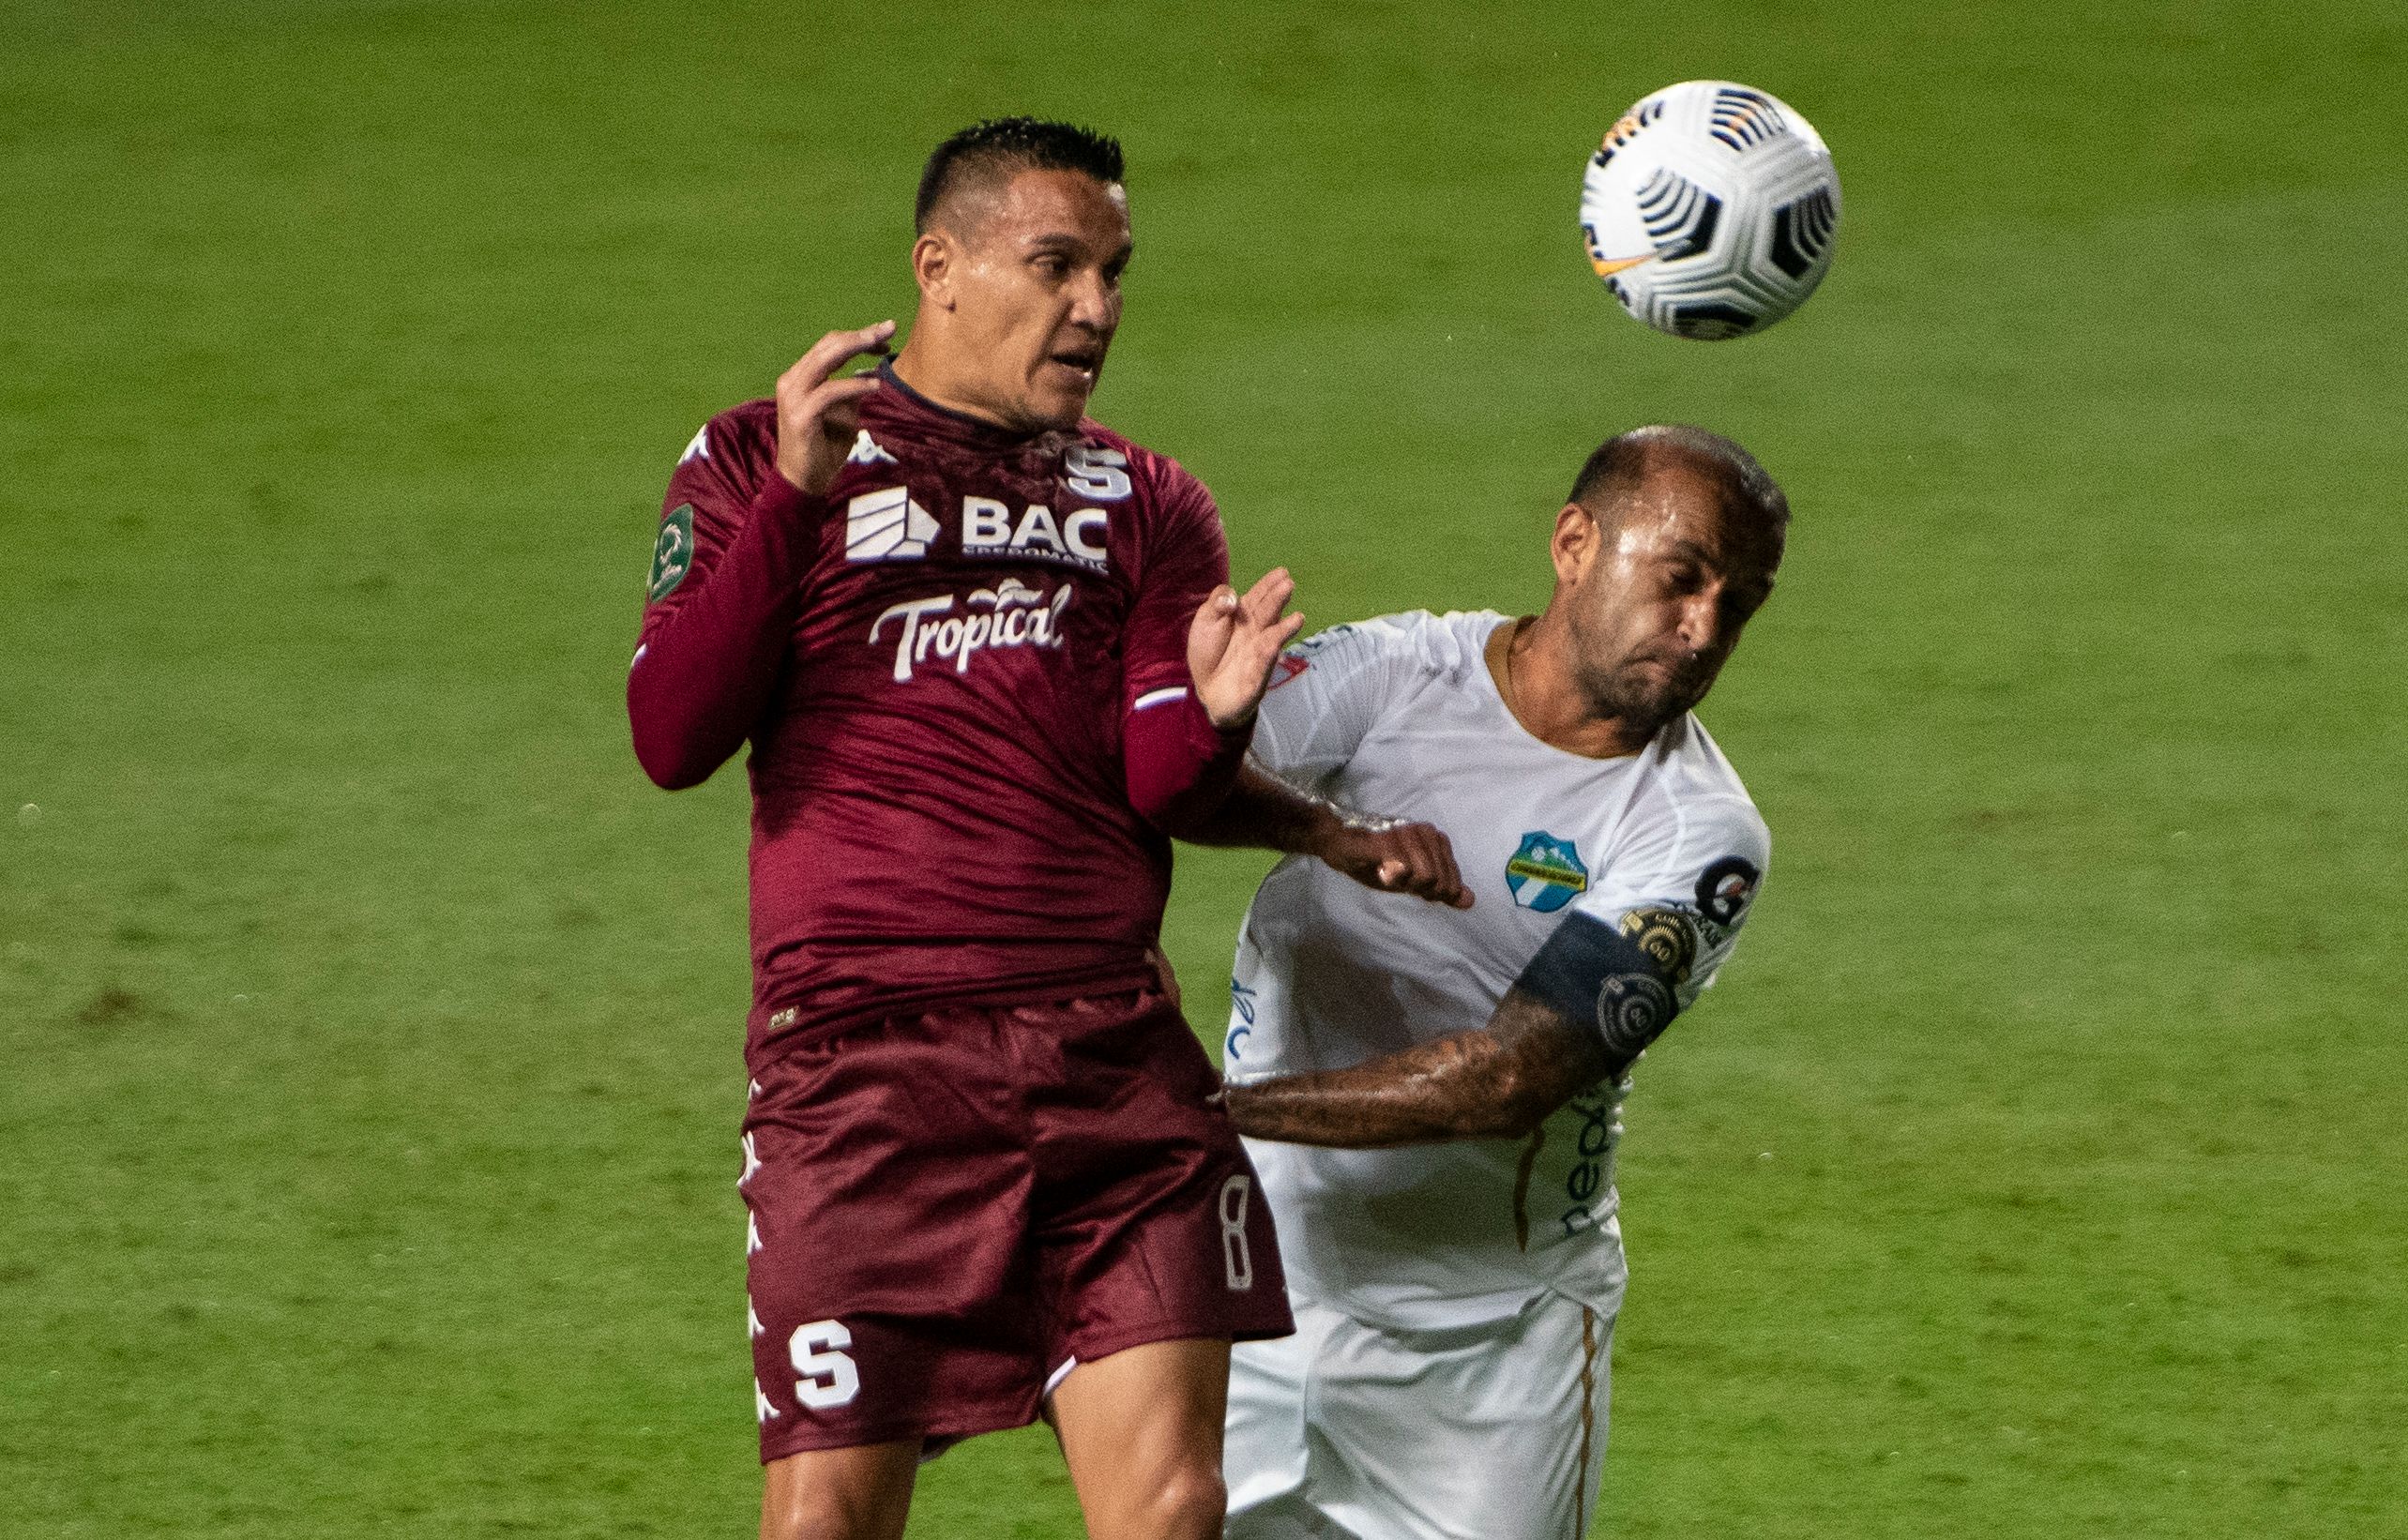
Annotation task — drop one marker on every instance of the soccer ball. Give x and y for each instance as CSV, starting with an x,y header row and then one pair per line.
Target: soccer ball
x,y
1710,209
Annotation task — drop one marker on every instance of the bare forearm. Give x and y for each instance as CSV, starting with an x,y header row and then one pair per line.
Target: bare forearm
x,y
1498,1082
1264,812
1440,1090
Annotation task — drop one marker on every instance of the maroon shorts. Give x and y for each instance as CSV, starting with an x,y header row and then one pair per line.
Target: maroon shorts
x,y
948,1209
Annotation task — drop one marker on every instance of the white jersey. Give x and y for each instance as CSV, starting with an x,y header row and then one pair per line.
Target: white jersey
x,y
1400,715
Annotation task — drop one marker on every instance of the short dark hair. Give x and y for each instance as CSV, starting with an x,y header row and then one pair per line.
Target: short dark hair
x,y
1012,143
1623,462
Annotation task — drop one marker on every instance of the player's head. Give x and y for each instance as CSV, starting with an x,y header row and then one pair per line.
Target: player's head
x,y
1023,231
1668,545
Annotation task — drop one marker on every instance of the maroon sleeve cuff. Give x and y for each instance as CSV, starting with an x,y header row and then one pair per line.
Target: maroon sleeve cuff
x,y
780,496
1180,767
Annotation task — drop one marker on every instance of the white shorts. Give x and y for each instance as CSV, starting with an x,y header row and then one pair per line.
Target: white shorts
x,y
1349,1432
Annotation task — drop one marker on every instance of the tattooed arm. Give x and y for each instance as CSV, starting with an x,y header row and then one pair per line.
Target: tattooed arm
x,y
1497,1082
1588,1005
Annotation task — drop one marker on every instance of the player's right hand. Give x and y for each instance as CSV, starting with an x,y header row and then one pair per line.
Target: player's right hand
x,y
817,412
1397,857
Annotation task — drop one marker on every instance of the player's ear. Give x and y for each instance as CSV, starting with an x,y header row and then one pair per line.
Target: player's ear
x,y
1576,542
933,257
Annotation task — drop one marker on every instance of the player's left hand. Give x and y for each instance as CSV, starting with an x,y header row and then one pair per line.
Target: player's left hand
x,y
1234,641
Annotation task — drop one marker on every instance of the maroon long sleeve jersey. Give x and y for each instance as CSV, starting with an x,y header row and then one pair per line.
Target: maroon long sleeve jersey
x,y
963,672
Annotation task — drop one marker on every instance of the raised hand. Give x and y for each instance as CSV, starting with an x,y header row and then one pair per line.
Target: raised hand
x,y
816,414
1233,642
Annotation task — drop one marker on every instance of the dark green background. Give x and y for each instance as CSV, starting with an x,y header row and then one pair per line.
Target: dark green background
x,y
369,1026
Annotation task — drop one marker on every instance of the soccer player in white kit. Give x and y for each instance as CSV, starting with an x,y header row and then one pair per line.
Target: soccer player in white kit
x,y
1431,1094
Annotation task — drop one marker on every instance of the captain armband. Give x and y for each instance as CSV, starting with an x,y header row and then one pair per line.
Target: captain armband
x,y
1622,979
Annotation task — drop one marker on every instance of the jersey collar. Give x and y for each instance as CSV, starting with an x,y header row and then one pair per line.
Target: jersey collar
x,y
900,403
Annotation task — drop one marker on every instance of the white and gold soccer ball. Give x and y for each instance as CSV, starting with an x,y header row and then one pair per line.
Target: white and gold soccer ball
x,y
1710,210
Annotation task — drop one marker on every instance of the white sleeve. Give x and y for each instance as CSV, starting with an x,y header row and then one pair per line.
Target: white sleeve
x,y
1326,693
1703,858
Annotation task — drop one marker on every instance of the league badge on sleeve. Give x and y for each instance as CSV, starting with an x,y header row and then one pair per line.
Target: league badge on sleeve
x,y
1545,873
1667,938
672,554
1725,889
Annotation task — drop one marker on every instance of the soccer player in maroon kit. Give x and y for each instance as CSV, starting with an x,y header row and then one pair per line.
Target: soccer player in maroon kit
x,y
987,655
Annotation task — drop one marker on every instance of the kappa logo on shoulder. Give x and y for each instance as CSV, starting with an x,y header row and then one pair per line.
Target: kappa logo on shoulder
x,y
867,451
1545,873
886,525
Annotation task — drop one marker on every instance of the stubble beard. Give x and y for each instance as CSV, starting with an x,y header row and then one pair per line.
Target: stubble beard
x,y
1640,700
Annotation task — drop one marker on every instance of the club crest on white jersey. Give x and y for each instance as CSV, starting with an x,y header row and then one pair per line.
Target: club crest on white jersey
x,y
1545,873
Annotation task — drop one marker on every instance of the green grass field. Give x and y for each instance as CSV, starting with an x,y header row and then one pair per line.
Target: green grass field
x,y
371,1025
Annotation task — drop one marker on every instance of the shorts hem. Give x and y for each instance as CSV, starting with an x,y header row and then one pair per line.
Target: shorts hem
x,y
951,1427
1088,1350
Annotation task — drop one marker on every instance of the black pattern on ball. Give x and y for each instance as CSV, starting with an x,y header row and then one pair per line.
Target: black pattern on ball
x,y
1742,118
1711,319
1679,215
1802,232
1626,129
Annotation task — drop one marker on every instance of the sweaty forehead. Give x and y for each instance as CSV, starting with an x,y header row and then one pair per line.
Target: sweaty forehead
x,y
1678,506
1671,501
1022,203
